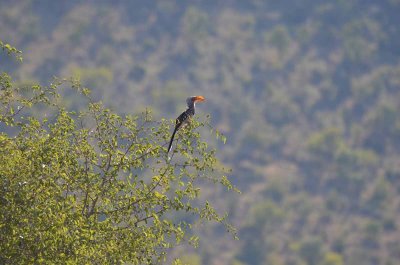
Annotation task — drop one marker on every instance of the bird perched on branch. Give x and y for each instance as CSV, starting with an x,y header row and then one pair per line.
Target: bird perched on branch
x,y
185,117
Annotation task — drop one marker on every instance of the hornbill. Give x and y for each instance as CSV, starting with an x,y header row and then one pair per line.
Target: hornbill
x,y
185,117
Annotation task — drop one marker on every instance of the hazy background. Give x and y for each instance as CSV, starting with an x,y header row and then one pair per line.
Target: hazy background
x,y
307,93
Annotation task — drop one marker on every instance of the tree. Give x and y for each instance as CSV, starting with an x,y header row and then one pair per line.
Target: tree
x,y
91,186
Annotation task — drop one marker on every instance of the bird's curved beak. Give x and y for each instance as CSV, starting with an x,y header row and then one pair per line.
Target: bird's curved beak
x,y
199,99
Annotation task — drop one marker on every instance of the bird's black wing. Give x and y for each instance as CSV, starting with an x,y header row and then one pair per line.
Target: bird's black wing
x,y
182,119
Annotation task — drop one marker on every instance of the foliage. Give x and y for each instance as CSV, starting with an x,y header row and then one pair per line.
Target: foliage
x,y
93,186
11,50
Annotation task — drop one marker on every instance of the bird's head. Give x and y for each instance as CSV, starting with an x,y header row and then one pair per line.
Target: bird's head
x,y
191,100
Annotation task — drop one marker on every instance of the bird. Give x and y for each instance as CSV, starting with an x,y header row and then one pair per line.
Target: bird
x,y
185,117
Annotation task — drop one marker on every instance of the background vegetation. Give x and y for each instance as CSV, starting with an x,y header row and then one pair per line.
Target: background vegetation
x,y
307,93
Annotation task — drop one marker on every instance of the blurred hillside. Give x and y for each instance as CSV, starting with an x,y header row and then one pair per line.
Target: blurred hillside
x,y
307,93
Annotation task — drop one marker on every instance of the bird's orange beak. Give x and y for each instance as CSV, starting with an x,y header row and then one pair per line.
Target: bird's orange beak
x,y
199,99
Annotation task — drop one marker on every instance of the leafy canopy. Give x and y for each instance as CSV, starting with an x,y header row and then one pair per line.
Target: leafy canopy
x,y
93,186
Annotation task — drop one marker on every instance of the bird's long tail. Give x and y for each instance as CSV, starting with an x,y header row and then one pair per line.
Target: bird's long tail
x,y
172,139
